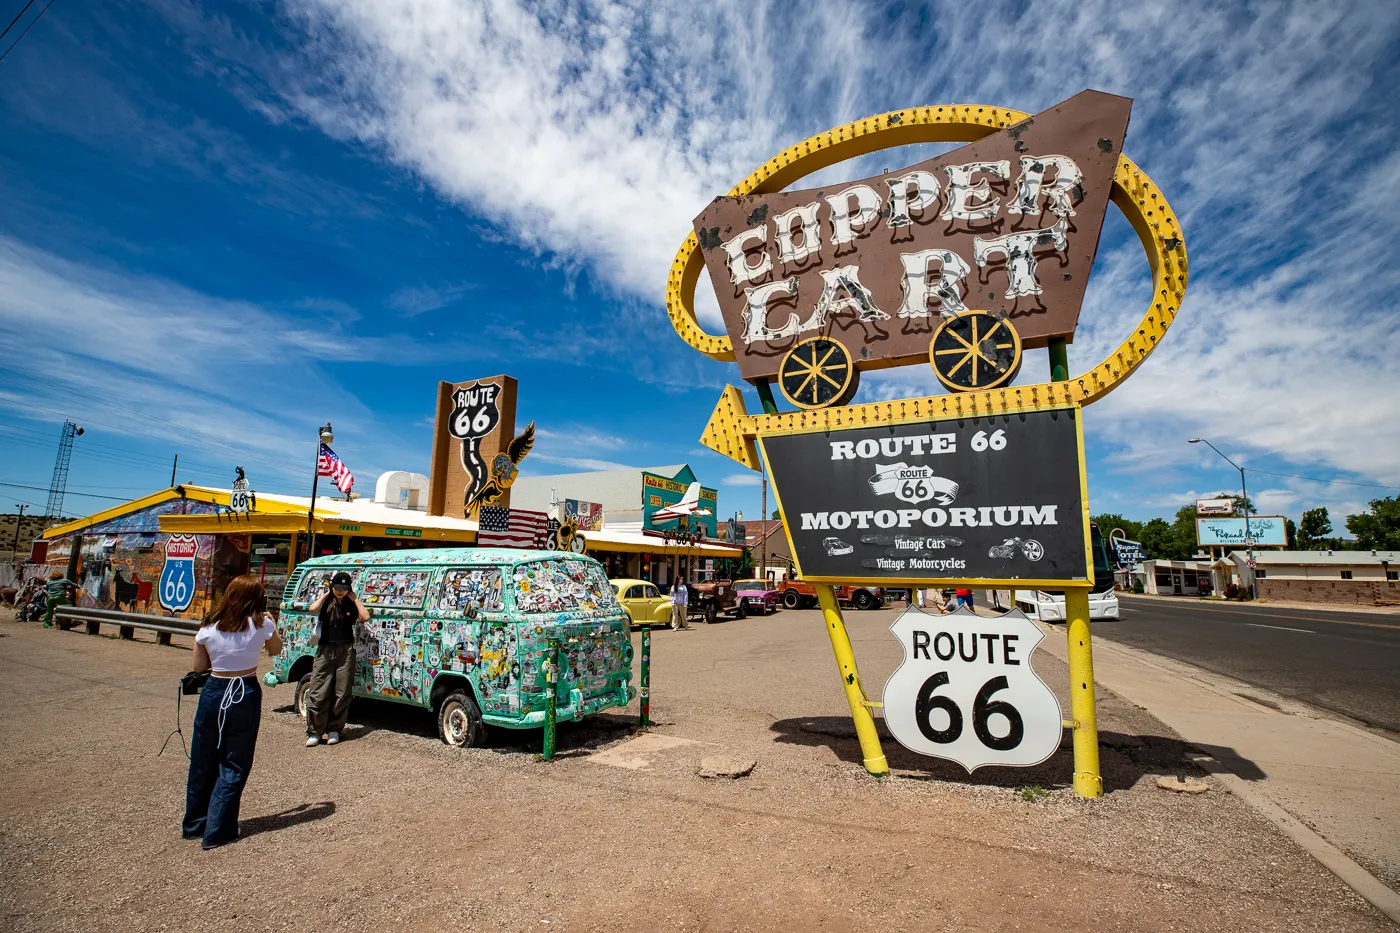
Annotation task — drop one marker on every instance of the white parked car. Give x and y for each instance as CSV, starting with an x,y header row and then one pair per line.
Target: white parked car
x,y
1050,607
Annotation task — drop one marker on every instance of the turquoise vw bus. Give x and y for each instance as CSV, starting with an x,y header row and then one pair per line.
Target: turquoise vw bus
x,y
465,632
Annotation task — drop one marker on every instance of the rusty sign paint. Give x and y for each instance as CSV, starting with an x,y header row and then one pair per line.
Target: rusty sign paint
x,y
1009,224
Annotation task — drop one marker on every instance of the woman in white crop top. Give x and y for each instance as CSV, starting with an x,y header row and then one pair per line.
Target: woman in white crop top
x,y
230,710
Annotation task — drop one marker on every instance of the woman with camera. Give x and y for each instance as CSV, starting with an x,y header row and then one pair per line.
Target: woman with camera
x,y
333,671
230,709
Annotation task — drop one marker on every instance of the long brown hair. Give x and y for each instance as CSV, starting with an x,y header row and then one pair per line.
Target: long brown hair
x,y
243,600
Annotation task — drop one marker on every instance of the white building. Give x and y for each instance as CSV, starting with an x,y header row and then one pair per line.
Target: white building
x,y
1368,578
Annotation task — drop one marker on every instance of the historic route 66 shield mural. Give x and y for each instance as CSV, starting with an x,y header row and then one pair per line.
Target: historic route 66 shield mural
x,y
177,576
966,691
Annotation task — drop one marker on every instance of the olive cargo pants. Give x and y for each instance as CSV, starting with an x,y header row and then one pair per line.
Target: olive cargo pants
x,y
332,683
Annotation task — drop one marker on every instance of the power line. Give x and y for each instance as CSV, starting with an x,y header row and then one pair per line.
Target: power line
x,y
1316,479
26,29
90,495
16,19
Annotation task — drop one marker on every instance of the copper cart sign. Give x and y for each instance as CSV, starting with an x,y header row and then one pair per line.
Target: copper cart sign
x,y
1009,224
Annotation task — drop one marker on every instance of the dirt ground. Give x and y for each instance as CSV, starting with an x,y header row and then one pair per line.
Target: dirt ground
x,y
392,830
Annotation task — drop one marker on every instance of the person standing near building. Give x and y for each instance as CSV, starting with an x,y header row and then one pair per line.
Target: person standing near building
x,y
59,590
680,605
333,671
226,722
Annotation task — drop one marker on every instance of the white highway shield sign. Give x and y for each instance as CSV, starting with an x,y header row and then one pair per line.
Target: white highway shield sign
x,y
966,691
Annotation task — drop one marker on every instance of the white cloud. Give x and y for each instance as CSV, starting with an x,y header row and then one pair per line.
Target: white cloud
x,y
743,479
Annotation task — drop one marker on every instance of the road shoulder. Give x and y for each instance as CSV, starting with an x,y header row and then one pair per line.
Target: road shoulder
x,y
1323,781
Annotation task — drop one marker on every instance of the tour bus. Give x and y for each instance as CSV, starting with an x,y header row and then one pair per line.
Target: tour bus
x,y
465,632
1103,602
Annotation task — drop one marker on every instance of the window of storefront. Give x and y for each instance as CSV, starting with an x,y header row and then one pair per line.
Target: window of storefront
x,y
268,562
1346,574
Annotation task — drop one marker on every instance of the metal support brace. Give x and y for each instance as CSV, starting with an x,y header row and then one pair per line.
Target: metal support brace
x,y
1087,780
870,748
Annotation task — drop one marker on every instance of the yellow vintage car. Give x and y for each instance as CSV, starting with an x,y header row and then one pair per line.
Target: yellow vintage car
x,y
642,602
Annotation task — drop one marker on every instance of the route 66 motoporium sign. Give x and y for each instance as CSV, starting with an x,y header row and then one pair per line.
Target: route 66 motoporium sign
x,y
996,498
966,690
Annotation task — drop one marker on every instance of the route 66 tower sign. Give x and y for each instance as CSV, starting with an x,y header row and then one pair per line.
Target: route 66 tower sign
x,y
960,262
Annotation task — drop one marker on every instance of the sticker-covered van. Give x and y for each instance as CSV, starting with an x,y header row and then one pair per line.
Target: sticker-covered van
x,y
465,632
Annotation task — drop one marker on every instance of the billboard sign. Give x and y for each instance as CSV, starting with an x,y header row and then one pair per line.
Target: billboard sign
x,y
994,498
1266,530
474,423
1127,552
1215,506
1008,224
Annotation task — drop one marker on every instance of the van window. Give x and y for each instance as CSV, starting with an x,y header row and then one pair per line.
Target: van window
x,y
314,585
463,586
561,586
393,589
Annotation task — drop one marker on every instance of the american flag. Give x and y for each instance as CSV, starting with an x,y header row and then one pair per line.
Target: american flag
x,y
328,464
503,527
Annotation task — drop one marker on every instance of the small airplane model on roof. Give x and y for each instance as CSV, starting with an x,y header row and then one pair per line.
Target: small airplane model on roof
x,y
689,505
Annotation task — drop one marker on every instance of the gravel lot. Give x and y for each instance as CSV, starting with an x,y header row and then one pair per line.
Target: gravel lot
x,y
392,830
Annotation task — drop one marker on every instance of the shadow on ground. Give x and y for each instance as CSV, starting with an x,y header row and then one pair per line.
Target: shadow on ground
x,y
367,715
304,813
1123,759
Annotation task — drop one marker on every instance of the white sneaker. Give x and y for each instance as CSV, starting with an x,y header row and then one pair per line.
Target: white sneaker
x,y
312,741
333,738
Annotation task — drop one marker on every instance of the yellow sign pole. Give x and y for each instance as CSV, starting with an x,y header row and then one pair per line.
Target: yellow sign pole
x,y
1087,781
870,748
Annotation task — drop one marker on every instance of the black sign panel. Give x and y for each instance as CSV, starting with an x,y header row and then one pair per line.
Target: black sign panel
x,y
991,498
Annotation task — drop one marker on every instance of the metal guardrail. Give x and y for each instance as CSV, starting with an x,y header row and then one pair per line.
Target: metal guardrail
x,y
127,622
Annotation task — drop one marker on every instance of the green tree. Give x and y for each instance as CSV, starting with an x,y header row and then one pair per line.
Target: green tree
x,y
1290,532
1314,529
1379,528
1158,540
1111,520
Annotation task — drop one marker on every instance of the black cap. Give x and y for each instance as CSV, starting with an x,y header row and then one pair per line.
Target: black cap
x,y
341,579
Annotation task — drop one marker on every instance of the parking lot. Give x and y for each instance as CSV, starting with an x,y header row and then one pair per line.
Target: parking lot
x,y
393,830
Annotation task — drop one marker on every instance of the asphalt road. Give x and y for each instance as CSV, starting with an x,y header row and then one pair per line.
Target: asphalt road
x,y
1348,663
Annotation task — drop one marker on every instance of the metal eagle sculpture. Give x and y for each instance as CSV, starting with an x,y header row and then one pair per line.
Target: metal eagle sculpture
x,y
505,467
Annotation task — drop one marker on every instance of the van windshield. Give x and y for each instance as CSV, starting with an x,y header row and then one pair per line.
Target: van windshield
x,y
562,585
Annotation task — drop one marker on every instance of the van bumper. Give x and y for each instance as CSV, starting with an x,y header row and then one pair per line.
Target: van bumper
x,y
577,708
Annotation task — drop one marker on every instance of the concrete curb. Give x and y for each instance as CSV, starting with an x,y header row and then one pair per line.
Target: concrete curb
x,y
1353,875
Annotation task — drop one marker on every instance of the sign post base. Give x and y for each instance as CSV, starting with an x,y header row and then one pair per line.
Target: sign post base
x,y
1087,781
870,748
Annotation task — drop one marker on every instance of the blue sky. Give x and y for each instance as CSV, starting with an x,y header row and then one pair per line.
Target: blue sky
x,y
223,224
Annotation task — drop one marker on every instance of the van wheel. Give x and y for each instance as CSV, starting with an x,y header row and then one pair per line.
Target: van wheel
x,y
864,600
301,698
791,600
459,721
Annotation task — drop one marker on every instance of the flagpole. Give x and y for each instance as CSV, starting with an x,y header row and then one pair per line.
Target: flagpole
x,y
325,436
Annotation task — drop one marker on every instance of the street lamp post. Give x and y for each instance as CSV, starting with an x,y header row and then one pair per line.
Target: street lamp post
x,y
327,436
1244,504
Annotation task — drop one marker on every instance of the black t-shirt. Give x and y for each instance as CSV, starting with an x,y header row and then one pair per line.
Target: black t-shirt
x,y
338,618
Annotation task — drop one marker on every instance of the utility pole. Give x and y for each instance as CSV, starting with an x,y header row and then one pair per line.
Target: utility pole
x,y
58,486
173,468
19,521
324,437
763,526
1244,504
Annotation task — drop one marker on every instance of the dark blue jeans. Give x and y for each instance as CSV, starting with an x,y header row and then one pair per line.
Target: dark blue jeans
x,y
219,764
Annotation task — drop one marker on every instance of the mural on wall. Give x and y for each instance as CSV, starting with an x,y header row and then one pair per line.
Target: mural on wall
x,y
505,467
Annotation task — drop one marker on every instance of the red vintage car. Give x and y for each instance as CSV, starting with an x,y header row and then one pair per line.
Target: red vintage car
x,y
758,596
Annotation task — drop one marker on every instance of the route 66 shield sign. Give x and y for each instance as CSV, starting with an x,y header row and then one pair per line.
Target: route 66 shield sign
x,y
966,690
176,584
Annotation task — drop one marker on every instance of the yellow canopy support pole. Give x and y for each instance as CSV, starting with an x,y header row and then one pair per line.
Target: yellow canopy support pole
x,y
1087,781
870,748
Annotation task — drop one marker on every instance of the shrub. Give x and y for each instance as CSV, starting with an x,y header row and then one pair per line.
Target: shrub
x,y
1232,591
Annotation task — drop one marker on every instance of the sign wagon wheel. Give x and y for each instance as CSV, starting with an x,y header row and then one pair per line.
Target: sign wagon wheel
x,y
818,373
975,350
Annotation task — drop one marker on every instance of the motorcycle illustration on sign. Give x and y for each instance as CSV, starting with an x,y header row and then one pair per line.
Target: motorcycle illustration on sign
x,y
966,690
1008,549
177,580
